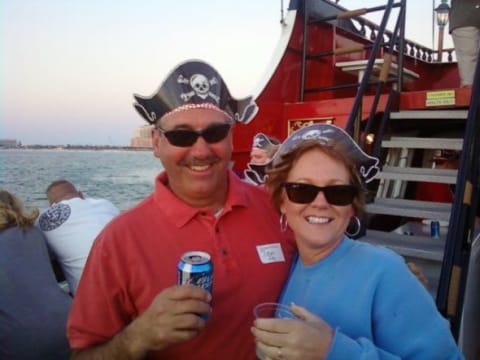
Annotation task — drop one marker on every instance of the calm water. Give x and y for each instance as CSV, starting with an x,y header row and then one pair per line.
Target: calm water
x,y
123,177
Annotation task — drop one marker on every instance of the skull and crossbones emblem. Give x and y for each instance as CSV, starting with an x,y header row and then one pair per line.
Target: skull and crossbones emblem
x,y
200,85
319,135
259,142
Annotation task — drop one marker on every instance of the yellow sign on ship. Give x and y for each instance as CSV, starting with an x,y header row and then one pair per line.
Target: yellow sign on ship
x,y
440,98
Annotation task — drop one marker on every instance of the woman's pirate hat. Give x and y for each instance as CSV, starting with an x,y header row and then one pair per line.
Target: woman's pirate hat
x,y
331,135
194,84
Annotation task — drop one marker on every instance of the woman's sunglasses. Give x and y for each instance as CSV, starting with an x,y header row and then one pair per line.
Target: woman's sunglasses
x,y
185,138
339,195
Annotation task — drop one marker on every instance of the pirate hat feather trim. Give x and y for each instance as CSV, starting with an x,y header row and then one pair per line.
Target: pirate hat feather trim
x,y
194,84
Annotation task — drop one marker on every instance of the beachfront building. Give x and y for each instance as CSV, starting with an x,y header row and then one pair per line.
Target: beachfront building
x,y
142,137
9,143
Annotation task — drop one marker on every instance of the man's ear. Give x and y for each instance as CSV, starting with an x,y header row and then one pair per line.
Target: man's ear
x,y
155,143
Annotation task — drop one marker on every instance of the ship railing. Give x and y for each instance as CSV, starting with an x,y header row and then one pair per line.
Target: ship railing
x,y
370,30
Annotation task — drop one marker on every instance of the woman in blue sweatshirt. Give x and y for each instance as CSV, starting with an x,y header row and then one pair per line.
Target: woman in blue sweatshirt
x,y
354,300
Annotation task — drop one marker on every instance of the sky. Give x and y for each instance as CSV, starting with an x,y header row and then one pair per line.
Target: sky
x,y
68,68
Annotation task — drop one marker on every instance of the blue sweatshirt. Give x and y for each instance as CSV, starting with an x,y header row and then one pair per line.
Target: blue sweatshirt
x,y
378,308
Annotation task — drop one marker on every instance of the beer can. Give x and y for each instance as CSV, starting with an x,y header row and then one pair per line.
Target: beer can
x,y
435,229
196,268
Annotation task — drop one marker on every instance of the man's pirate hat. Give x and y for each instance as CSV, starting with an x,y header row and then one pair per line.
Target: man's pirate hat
x,y
194,84
331,135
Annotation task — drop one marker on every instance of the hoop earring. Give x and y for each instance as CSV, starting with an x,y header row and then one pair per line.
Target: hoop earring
x,y
354,227
283,223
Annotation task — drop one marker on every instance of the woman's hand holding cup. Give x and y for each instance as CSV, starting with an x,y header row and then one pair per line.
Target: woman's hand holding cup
x,y
283,332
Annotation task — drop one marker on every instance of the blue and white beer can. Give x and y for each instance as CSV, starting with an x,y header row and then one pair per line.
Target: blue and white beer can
x,y
196,268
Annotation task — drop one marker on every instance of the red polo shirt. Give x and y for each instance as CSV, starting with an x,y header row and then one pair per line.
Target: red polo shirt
x,y
136,256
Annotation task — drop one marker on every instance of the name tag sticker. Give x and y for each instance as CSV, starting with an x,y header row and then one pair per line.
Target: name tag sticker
x,y
270,253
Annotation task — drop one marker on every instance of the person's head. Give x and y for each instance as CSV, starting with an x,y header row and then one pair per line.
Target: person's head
x,y
59,190
193,113
316,182
263,149
12,213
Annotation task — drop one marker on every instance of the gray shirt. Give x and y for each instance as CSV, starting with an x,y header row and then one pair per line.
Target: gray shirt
x,y
33,308
464,13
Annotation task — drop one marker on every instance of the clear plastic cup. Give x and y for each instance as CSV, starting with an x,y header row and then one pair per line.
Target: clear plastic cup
x,y
273,310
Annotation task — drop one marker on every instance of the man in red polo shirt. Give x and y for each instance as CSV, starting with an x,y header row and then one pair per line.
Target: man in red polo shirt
x,y
127,305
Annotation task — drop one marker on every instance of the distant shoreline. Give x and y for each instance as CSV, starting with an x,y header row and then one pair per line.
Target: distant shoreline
x,y
75,147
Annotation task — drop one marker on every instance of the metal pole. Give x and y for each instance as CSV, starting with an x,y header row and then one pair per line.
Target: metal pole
x,y
440,43
433,24
304,50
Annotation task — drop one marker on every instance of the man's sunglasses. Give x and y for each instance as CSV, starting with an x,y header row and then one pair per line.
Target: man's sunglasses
x,y
339,195
185,138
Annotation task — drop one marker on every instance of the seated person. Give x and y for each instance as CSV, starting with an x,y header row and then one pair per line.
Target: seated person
x,y
263,149
33,308
71,224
